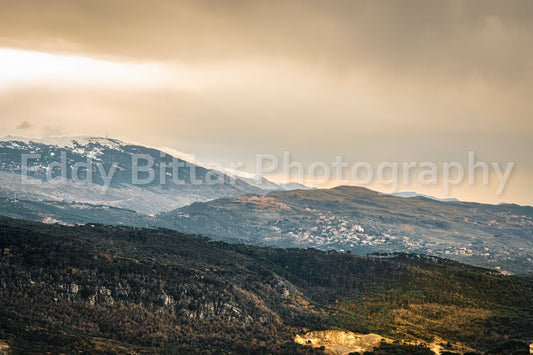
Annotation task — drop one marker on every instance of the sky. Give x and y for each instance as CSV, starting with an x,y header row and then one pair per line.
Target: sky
x,y
370,81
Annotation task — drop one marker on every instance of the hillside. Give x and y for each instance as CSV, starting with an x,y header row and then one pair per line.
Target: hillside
x,y
108,289
499,237
72,213
365,221
109,172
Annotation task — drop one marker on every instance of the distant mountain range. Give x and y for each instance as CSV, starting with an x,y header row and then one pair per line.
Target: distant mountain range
x,y
168,188
342,218
409,194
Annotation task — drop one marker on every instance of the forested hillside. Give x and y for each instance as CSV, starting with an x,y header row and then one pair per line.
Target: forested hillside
x,y
103,289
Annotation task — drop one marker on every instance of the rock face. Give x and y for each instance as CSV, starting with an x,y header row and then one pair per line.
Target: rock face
x,y
4,348
341,342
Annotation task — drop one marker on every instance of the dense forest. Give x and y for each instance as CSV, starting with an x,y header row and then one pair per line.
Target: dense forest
x,y
108,289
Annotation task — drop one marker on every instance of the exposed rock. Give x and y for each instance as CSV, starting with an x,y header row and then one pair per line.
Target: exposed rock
x,y
4,348
341,342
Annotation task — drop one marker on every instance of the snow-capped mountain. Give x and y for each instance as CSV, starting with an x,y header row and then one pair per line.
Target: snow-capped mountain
x,y
250,178
111,172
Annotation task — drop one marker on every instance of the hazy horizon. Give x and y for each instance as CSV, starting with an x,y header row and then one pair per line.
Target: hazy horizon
x,y
372,82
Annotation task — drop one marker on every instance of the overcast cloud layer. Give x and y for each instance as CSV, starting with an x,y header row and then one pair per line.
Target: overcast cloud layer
x,y
369,80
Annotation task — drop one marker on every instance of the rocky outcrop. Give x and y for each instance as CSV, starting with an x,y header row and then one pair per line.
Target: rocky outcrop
x,y
4,348
341,342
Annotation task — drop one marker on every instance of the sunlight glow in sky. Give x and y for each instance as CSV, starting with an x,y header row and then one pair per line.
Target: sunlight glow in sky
x,y
367,80
26,67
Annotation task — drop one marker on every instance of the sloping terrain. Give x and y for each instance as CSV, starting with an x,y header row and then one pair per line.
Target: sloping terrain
x,y
365,221
52,212
125,186
344,218
108,289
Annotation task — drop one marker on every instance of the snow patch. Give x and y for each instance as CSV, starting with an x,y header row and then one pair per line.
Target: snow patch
x,y
66,142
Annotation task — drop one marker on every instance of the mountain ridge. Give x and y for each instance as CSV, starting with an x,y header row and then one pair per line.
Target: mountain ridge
x,y
362,220
180,186
343,218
